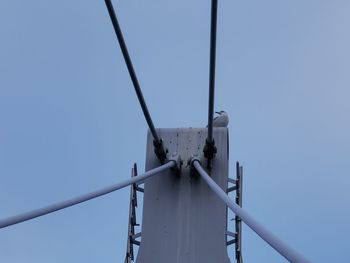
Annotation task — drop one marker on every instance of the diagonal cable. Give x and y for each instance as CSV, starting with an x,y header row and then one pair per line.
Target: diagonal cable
x,y
158,144
287,252
82,198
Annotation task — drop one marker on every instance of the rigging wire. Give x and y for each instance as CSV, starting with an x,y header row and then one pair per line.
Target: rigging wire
x,y
209,148
276,243
157,142
82,198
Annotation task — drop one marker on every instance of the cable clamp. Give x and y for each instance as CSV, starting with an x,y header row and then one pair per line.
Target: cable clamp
x,y
193,159
209,151
176,158
190,163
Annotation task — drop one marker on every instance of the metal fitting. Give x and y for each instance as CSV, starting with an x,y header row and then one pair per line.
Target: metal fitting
x,y
209,151
160,151
193,159
193,172
176,158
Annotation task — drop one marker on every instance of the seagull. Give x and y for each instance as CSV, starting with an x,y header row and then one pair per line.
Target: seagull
x,y
221,120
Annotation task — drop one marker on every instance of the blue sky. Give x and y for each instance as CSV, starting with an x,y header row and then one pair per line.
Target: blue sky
x,y
282,75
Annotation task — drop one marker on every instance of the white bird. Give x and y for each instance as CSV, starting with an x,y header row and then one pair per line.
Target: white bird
x,y
221,120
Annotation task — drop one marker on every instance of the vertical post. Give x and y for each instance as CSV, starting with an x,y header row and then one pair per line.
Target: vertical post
x,y
132,219
238,221
210,149
213,25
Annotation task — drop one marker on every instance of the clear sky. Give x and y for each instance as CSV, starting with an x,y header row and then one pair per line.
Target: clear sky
x,y
70,121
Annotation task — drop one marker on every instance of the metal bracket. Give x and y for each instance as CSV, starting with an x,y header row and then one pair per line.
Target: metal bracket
x,y
190,164
232,241
231,189
175,157
133,239
209,151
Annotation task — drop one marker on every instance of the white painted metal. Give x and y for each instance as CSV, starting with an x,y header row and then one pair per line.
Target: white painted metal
x,y
285,250
183,220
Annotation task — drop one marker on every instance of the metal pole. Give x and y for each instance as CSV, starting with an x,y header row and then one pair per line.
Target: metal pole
x,y
210,149
76,200
214,8
161,154
282,248
238,221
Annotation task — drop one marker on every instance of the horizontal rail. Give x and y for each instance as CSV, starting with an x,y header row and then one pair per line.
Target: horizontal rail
x,y
82,198
282,248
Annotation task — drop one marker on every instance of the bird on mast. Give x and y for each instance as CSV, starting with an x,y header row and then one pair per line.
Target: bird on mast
x,y
221,120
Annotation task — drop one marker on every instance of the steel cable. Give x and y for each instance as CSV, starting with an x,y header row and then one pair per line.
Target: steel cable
x,y
158,144
82,198
282,248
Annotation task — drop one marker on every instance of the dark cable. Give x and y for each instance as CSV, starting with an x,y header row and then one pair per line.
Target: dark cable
x,y
158,144
210,149
238,221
